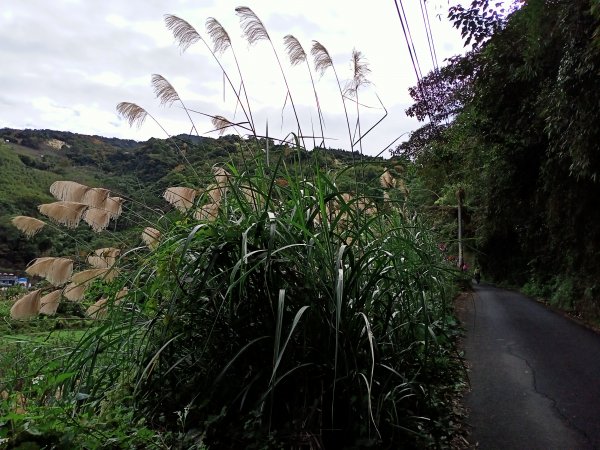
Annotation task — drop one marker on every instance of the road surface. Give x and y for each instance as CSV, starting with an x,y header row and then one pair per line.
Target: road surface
x,y
535,375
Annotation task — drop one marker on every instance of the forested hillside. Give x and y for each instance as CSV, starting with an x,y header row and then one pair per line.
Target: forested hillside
x,y
514,123
31,160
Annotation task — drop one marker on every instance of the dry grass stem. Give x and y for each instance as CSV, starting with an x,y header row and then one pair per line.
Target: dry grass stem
x,y
133,113
29,226
151,236
181,198
56,270
49,303
183,32
252,26
68,191
27,306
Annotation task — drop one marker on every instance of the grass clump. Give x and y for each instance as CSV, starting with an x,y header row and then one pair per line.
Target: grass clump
x,y
296,315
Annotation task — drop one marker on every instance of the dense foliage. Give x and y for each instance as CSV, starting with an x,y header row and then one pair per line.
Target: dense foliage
x,y
524,145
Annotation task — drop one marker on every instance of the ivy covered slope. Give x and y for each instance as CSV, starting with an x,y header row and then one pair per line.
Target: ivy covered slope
x,y
515,123
31,160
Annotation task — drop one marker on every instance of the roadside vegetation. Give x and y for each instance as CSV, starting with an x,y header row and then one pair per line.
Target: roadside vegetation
x,y
274,297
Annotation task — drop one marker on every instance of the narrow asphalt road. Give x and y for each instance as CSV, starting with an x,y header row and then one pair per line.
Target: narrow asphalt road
x,y
534,374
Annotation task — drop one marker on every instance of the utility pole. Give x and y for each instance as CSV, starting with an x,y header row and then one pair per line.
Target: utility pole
x,y
460,196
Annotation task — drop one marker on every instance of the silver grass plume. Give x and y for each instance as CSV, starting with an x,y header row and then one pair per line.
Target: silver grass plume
x,y
321,57
252,26
56,270
360,70
27,306
95,197
65,213
133,113
218,35
151,236
87,276
97,310
386,180
221,123
164,90
294,50
114,205
104,257
180,197
185,34
98,219
50,302
68,191
29,226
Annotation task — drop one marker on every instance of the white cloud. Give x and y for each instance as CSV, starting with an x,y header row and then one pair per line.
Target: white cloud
x,y
66,64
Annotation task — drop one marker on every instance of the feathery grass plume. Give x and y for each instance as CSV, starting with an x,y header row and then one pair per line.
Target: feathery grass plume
x,y
68,191
65,213
56,270
321,57
180,197
255,31
221,42
208,212
386,180
27,306
360,70
218,35
221,176
185,34
74,292
322,60
29,226
167,95
114,205
103,257
98,310
294,50
215,193
95,197
151,236
98,219
133,113
164,90
50,302
252,26
221,123
297,55
86,276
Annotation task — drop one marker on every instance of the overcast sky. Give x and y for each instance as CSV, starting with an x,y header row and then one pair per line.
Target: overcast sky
x,y
66,64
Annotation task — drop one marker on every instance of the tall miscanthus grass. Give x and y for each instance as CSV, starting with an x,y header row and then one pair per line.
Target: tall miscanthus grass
x,y
271,320
273,308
